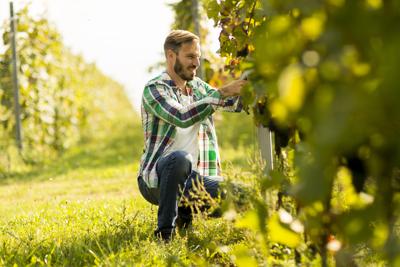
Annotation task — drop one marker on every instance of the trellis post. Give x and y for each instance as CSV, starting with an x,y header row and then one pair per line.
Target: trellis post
x,y
266,145
197,31
18,130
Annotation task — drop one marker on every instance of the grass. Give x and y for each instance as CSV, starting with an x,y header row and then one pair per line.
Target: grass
x,y
85,209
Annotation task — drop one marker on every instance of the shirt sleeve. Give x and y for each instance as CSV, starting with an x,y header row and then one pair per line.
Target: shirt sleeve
x,y
230,104
157,101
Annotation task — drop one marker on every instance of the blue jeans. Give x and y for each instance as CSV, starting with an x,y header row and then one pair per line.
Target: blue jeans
x,y
174,177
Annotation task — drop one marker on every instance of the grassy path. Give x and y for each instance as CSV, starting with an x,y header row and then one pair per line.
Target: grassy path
x,y
85,209
63,212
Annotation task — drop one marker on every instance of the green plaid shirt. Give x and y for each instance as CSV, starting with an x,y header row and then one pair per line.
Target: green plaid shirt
x,y
162,112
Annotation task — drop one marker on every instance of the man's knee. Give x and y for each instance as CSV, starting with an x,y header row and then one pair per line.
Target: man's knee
x,y
176,166
182,159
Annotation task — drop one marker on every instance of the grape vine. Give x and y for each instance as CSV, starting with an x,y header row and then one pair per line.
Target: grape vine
x,y
322,77
63,98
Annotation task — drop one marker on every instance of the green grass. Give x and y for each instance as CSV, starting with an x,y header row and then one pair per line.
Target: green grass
x,y
85,209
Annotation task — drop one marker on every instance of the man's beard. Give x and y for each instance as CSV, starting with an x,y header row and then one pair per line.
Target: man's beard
x,y
178,68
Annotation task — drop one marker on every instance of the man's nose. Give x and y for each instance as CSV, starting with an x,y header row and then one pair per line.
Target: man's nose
x,y
196,62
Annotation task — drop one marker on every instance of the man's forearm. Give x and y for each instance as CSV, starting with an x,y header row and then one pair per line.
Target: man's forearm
x,y
233,88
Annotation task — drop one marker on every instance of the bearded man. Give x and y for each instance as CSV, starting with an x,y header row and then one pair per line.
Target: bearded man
x,y
181,149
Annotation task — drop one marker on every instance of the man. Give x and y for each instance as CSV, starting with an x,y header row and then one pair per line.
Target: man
x,y
181,149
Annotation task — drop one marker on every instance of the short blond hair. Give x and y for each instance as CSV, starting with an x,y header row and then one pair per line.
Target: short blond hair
x,y
176,38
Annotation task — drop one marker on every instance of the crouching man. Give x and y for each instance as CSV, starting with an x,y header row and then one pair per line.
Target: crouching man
x,y
181,147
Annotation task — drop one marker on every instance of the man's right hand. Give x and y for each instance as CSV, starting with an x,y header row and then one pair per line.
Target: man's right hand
x,y
232,88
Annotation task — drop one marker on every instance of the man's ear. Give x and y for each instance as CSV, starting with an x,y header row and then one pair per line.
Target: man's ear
x,y
170,54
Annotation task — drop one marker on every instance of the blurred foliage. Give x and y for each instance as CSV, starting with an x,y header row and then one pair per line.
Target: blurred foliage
x,y
183,11
323,78
235,131
62,98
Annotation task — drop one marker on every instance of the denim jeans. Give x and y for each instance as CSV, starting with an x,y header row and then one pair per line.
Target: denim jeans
x,y
175,176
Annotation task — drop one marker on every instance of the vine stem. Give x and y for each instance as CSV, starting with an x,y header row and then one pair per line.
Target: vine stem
x,y
251,17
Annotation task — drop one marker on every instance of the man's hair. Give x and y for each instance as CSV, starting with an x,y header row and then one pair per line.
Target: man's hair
x,y
176,38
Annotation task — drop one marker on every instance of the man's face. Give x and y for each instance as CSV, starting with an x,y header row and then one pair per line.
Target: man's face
x,y
187,60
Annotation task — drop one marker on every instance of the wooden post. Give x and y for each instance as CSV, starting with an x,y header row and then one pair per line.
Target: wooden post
x,y
18,130
266,145
197,31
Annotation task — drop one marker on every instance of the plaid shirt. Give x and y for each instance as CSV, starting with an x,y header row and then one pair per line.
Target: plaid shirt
x,y
162,112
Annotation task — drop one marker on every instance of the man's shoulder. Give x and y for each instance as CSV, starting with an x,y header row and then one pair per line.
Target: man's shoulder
x,y
155,79
160,79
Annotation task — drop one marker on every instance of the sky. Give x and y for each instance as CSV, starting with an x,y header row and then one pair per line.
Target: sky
x,y
123,37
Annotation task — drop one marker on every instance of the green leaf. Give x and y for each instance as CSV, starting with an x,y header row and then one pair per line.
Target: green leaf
x,y
213,10
356,226
244,257
275,179
250,221
280,233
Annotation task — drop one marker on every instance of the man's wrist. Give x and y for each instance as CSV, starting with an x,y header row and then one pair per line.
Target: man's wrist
x,y
223,92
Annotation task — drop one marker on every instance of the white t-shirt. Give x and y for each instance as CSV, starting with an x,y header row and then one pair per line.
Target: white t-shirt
x,y
186,139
